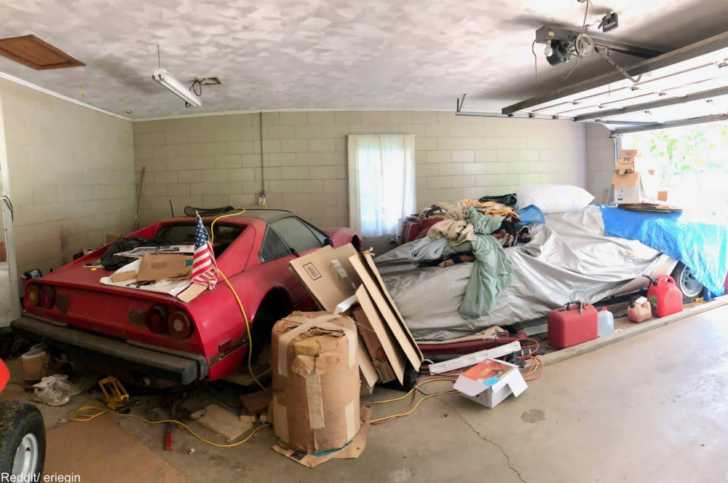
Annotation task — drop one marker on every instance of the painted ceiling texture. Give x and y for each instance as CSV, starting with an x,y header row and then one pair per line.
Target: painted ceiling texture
x,y
326,54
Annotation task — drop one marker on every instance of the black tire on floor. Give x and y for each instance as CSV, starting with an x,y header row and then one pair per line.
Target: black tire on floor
x,y
19,423
687,284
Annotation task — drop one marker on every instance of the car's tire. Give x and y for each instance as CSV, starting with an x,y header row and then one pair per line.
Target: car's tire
x,y
685,281
22,441
274,307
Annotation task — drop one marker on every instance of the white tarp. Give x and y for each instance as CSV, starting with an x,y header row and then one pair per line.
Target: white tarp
x,y
569,259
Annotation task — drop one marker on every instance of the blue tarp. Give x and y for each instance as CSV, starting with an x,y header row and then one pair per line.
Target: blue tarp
x,y
701,247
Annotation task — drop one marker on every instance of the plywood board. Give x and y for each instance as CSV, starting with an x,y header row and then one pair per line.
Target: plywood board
x,y
389,344
396,324
367,256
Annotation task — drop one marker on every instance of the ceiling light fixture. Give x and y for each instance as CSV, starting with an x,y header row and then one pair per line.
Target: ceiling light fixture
x,y
165,79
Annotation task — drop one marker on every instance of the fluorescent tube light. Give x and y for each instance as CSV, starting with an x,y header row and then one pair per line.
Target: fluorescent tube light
x,y
176,87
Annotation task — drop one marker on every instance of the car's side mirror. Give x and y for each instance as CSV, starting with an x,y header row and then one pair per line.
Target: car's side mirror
x,y
328,241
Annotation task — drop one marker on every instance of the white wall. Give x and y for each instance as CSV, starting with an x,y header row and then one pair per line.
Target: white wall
x,y
214,160
71,173
600,154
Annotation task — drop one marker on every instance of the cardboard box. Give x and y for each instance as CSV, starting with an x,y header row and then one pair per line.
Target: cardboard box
x,y
627,188
351,451
490,382
625,161
158,266
315,381
327,274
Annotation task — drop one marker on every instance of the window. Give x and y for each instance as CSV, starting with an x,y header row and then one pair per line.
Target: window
x,y
296,234
381,182
184,234
690,163
273,247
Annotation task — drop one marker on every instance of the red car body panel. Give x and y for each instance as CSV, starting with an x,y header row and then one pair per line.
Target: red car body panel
x,y
83,302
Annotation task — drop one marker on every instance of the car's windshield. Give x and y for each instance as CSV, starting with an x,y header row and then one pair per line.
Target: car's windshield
x,y
184,234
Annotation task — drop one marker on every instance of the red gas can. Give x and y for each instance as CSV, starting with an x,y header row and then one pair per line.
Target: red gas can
x,y
572,324
664,296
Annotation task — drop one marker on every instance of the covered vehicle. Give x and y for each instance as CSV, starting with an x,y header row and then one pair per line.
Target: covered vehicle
x,y
146,334
568,259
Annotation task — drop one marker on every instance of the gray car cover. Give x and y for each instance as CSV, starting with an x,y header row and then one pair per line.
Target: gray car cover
x,y
568,259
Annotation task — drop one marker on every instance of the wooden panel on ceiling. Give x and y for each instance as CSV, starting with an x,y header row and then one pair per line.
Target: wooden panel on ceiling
x,y
35,53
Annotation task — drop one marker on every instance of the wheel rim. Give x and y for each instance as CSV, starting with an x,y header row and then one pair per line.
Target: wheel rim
x,y
688,285
26,457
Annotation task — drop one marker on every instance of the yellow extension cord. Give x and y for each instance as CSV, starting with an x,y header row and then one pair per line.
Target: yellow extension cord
x,y
85,414
412,392
237,298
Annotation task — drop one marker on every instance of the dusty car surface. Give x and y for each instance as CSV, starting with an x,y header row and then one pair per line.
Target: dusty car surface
x,y
147,334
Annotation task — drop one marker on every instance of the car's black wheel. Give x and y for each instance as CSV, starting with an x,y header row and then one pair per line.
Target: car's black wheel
x,y
685,281
274,307
22,441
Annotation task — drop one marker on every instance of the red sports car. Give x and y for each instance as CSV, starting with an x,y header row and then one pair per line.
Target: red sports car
x,y
154,335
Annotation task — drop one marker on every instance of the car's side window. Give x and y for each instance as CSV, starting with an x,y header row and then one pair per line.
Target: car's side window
x,y
296,234
273,247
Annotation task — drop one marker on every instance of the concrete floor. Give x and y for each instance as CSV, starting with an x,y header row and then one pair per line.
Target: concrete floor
x,y
650,408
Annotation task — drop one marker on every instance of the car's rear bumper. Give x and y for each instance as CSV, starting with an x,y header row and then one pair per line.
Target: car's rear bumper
x,y
178,367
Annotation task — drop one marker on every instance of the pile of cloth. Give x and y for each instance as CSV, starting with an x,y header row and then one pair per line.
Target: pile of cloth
x,y
456,225
471,231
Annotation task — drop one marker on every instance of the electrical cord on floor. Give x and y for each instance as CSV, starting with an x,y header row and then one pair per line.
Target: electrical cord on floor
x,y
528,360
85,414
414,403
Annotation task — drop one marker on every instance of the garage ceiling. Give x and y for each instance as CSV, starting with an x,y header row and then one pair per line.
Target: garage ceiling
x,y
314,54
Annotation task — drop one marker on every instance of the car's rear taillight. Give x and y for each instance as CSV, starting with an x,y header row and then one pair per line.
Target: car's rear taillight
x,y
156,319
32,295
47,296
179,325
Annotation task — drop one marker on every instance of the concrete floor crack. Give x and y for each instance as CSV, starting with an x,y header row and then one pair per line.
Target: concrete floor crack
x,y
483,437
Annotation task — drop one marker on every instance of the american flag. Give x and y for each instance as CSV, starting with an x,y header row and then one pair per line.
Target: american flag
x,y
204,267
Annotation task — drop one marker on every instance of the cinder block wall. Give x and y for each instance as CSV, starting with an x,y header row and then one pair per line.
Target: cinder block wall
x,y
215,160
600,155
71,175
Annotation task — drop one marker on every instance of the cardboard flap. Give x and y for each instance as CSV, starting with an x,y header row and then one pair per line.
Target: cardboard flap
x,y
158,266
327,275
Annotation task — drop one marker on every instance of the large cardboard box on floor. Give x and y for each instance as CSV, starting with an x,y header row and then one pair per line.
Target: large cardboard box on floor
x,y
315,381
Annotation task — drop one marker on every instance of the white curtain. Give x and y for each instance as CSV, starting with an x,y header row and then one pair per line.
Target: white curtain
x,y
381,182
